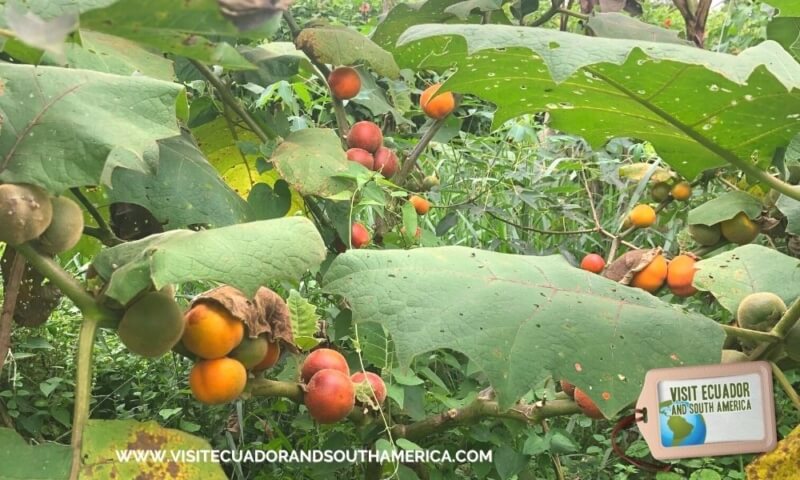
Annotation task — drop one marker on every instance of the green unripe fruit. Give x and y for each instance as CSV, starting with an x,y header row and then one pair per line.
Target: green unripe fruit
x,y
791,343
760,311
152,325
740,229
66,228
25,213
660,191
250,352
733,356
429,182
705,235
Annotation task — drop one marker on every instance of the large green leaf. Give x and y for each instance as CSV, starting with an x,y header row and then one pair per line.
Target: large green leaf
x,y
344,46
20,461
104,440
181,27
312,160
725,207
619,25
791,209
522,318
788,8
733,275
698,108
185,191
60,126
245,256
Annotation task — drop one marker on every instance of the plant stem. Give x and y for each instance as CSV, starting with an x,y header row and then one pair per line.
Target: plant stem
x,y
570,13
787,321
411,160
546,16
786,385
12,284
262,387
754,335
83,388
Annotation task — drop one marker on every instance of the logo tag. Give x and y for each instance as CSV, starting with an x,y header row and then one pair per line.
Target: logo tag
x,y
708,410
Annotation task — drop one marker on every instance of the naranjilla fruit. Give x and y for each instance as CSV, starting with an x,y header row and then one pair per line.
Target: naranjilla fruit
x,y
270,358
660,191
680,275
420,204
359,236
705,235
439,106
344,82
568,388
365,135
217,381
740,229
652,277
642,216
211,331
152,325
330,396
430,182
25,213
760,311
593,263
385,162
250,352
681,191
378,392
65,229
323,358
586,405
361,156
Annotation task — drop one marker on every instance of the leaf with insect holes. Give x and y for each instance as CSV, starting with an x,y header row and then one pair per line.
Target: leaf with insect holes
x,y
698,108
304,321
522,318
725,207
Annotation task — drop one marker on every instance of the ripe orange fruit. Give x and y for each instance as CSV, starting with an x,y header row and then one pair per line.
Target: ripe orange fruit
x,y
322,359
330,396
586,404
361,156
211,331
682,191
642,216
344,82
652,277
420,204
680,275
365,135
271,358
217,381
385,162
740,229
437,107
359,236
593,263
378,387
568,388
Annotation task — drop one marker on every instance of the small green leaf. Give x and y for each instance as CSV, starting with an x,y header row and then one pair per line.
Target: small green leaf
x,y
410,220
267,203
304,319
508,462
725,207
407,444
791,209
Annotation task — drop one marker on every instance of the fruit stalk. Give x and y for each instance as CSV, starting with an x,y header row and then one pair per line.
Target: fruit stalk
x,y
753,335
83,388
262,387
787,321
411,160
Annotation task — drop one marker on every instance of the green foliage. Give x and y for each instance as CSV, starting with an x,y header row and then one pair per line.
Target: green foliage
x,y
22,461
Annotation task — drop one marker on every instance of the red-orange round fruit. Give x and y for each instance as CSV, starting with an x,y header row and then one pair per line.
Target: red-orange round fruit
x,y
344,82
330,396
385,162
682,191
365,135
568,388
439,106
217,381
420,204
378,387
211,331
361,156
271,358
586,405
359,236
593,263
322,359
680,275
652,277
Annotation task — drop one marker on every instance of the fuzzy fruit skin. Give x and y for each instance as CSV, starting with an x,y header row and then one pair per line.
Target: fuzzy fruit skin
x,y
217,381
359,236
642,216
330,396
420,204
680,275
385,162
65,229
740,229
760,311
437,107
323,359
660,191
344,82
211,331
250,352
25,213
681,191
593,263
568,388
705,235
270,358
361,156
365,135
652,277
152,325
587,405
375,380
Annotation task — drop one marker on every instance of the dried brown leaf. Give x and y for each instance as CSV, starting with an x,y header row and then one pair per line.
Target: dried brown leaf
x,y
625,267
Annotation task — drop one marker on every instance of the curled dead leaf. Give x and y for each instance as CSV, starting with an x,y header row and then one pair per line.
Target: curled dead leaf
x,y
624,268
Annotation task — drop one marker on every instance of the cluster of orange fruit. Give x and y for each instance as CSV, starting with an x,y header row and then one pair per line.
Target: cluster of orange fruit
x,y
224,353
678,273
643,215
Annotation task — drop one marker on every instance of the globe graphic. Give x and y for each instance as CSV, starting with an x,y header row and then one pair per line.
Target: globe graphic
x,y
681,430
